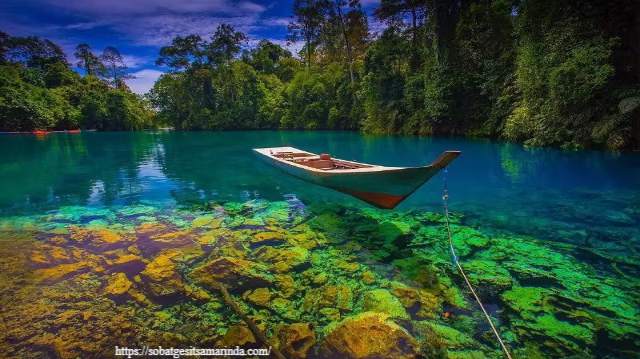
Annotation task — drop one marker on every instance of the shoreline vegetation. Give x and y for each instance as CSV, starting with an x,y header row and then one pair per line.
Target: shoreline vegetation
x,y
545,74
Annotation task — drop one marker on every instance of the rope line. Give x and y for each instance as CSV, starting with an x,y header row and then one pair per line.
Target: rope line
x,y
456,261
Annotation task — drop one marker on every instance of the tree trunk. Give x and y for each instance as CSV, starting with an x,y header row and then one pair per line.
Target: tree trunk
x,y
346,41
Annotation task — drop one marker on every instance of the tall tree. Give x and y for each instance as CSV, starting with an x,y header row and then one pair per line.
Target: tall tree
x,y
34,52
182,52
225,44
390,9
116,69
351,21
307,24
4,39
87,60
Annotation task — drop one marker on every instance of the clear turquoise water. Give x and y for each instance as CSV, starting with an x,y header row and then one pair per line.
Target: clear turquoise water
x,y
549,239
584,197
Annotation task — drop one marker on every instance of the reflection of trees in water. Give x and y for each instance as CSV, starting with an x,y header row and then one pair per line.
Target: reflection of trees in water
x,y
66,169
206,167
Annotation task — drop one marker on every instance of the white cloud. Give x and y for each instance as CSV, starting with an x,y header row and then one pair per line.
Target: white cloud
x,y
131,7
144,80
134,62
276,21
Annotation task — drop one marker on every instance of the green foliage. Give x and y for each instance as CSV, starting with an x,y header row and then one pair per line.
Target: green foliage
x,y
38,91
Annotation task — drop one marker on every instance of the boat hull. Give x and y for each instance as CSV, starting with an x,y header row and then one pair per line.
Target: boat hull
x,y
383,187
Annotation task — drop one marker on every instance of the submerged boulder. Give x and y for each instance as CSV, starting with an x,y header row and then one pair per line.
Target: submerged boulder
x,y
296,339
328,296
382,301
161,277
367,336
117,285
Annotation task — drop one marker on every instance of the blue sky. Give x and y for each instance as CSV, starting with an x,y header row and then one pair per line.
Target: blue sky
x,y
138,28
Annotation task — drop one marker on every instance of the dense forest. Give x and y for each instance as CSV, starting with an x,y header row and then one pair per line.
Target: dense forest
x,y
40,91
563,73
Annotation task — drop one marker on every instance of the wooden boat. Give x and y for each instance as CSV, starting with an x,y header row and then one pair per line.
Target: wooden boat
x,y
380,186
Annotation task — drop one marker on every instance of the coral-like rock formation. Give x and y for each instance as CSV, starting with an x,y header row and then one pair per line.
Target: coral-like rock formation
x,y
368,336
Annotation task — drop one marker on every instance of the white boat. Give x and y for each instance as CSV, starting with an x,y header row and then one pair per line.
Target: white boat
x,y
380,186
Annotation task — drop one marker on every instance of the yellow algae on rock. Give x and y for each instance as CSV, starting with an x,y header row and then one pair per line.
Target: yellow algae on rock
x,y
205,221
296,339
59,240
285,285
427,304
237,335
118,284
266,236
48,254
332,314
368,277
349,267
260,297
328,296
104,238
368,335
133,249
196,294
235,273
161,277
151,228
60,272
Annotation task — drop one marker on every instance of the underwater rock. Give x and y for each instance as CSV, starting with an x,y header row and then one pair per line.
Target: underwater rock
x,y
161,277
196,294
290,257
390,231
368,336
381,301
103,238
285,308
285,285
236,274
267,236
331,314
117,285
368,277
60,272
260,297
434,334
296,339
49,255
328,296
206,221
237,335
426,303
306,239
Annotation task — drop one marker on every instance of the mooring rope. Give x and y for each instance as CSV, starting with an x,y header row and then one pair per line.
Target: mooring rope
x,y
456,261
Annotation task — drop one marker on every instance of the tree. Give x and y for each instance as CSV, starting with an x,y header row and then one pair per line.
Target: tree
x,y
266,56
87,60
390,9
182,52
4,38
307,24
225,44
114,63
34,52
346,18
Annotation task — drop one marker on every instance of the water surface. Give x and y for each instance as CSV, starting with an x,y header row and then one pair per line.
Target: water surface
x,y
550,239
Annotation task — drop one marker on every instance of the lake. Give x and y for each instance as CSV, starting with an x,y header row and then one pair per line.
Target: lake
x,y
115,239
